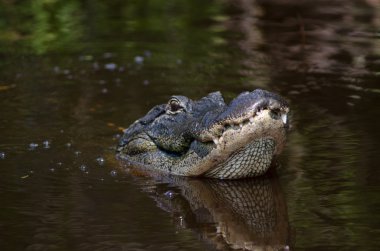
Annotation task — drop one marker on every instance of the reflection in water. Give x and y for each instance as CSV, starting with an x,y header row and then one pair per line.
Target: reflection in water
x,y
246,214
45,35
309,36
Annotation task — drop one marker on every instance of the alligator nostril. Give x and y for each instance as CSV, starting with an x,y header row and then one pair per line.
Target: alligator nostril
x,y
276,112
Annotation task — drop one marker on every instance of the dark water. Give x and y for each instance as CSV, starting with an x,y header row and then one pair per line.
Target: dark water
x,y
74,73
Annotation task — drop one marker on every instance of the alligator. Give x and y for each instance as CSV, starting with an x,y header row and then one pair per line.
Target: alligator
x,y
207,137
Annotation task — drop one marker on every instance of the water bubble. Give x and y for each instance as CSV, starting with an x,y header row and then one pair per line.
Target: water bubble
x,y
146,82
2,155
179,61
56,69
68,144
77,153
147,54
108,55
100,161
33,146
104,90
110,66
169,194
139,60
66,71
46,144
52,170
113,173
59,163
31,171
116,136
86,58
95,65
83,168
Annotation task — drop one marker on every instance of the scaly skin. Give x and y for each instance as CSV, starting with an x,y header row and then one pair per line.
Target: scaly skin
x,y
209,138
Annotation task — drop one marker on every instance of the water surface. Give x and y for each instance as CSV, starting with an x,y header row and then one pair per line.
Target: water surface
x,y
73,74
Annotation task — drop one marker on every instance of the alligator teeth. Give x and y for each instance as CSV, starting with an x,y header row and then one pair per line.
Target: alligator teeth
x,y
284,118
241,126
251,119
216,141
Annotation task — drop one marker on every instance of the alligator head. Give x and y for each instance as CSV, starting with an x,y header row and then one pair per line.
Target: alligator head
x,y
209,138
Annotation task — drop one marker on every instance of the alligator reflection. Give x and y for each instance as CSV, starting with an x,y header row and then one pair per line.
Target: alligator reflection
x,y
235,214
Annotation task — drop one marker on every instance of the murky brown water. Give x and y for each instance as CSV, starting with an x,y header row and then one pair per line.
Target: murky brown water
x,y
74,73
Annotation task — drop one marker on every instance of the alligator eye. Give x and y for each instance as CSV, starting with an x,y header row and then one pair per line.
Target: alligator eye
x,y
174,106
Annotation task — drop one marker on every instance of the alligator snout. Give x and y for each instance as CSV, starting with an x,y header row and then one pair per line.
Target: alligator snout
x,y
248,104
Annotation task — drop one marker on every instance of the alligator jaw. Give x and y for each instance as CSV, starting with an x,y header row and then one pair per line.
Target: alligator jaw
x,y
215,134
265,126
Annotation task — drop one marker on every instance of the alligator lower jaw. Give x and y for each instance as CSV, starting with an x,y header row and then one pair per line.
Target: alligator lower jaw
x,y
235,138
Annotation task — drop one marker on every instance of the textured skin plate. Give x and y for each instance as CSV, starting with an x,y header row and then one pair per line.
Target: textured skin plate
x,y
253,160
